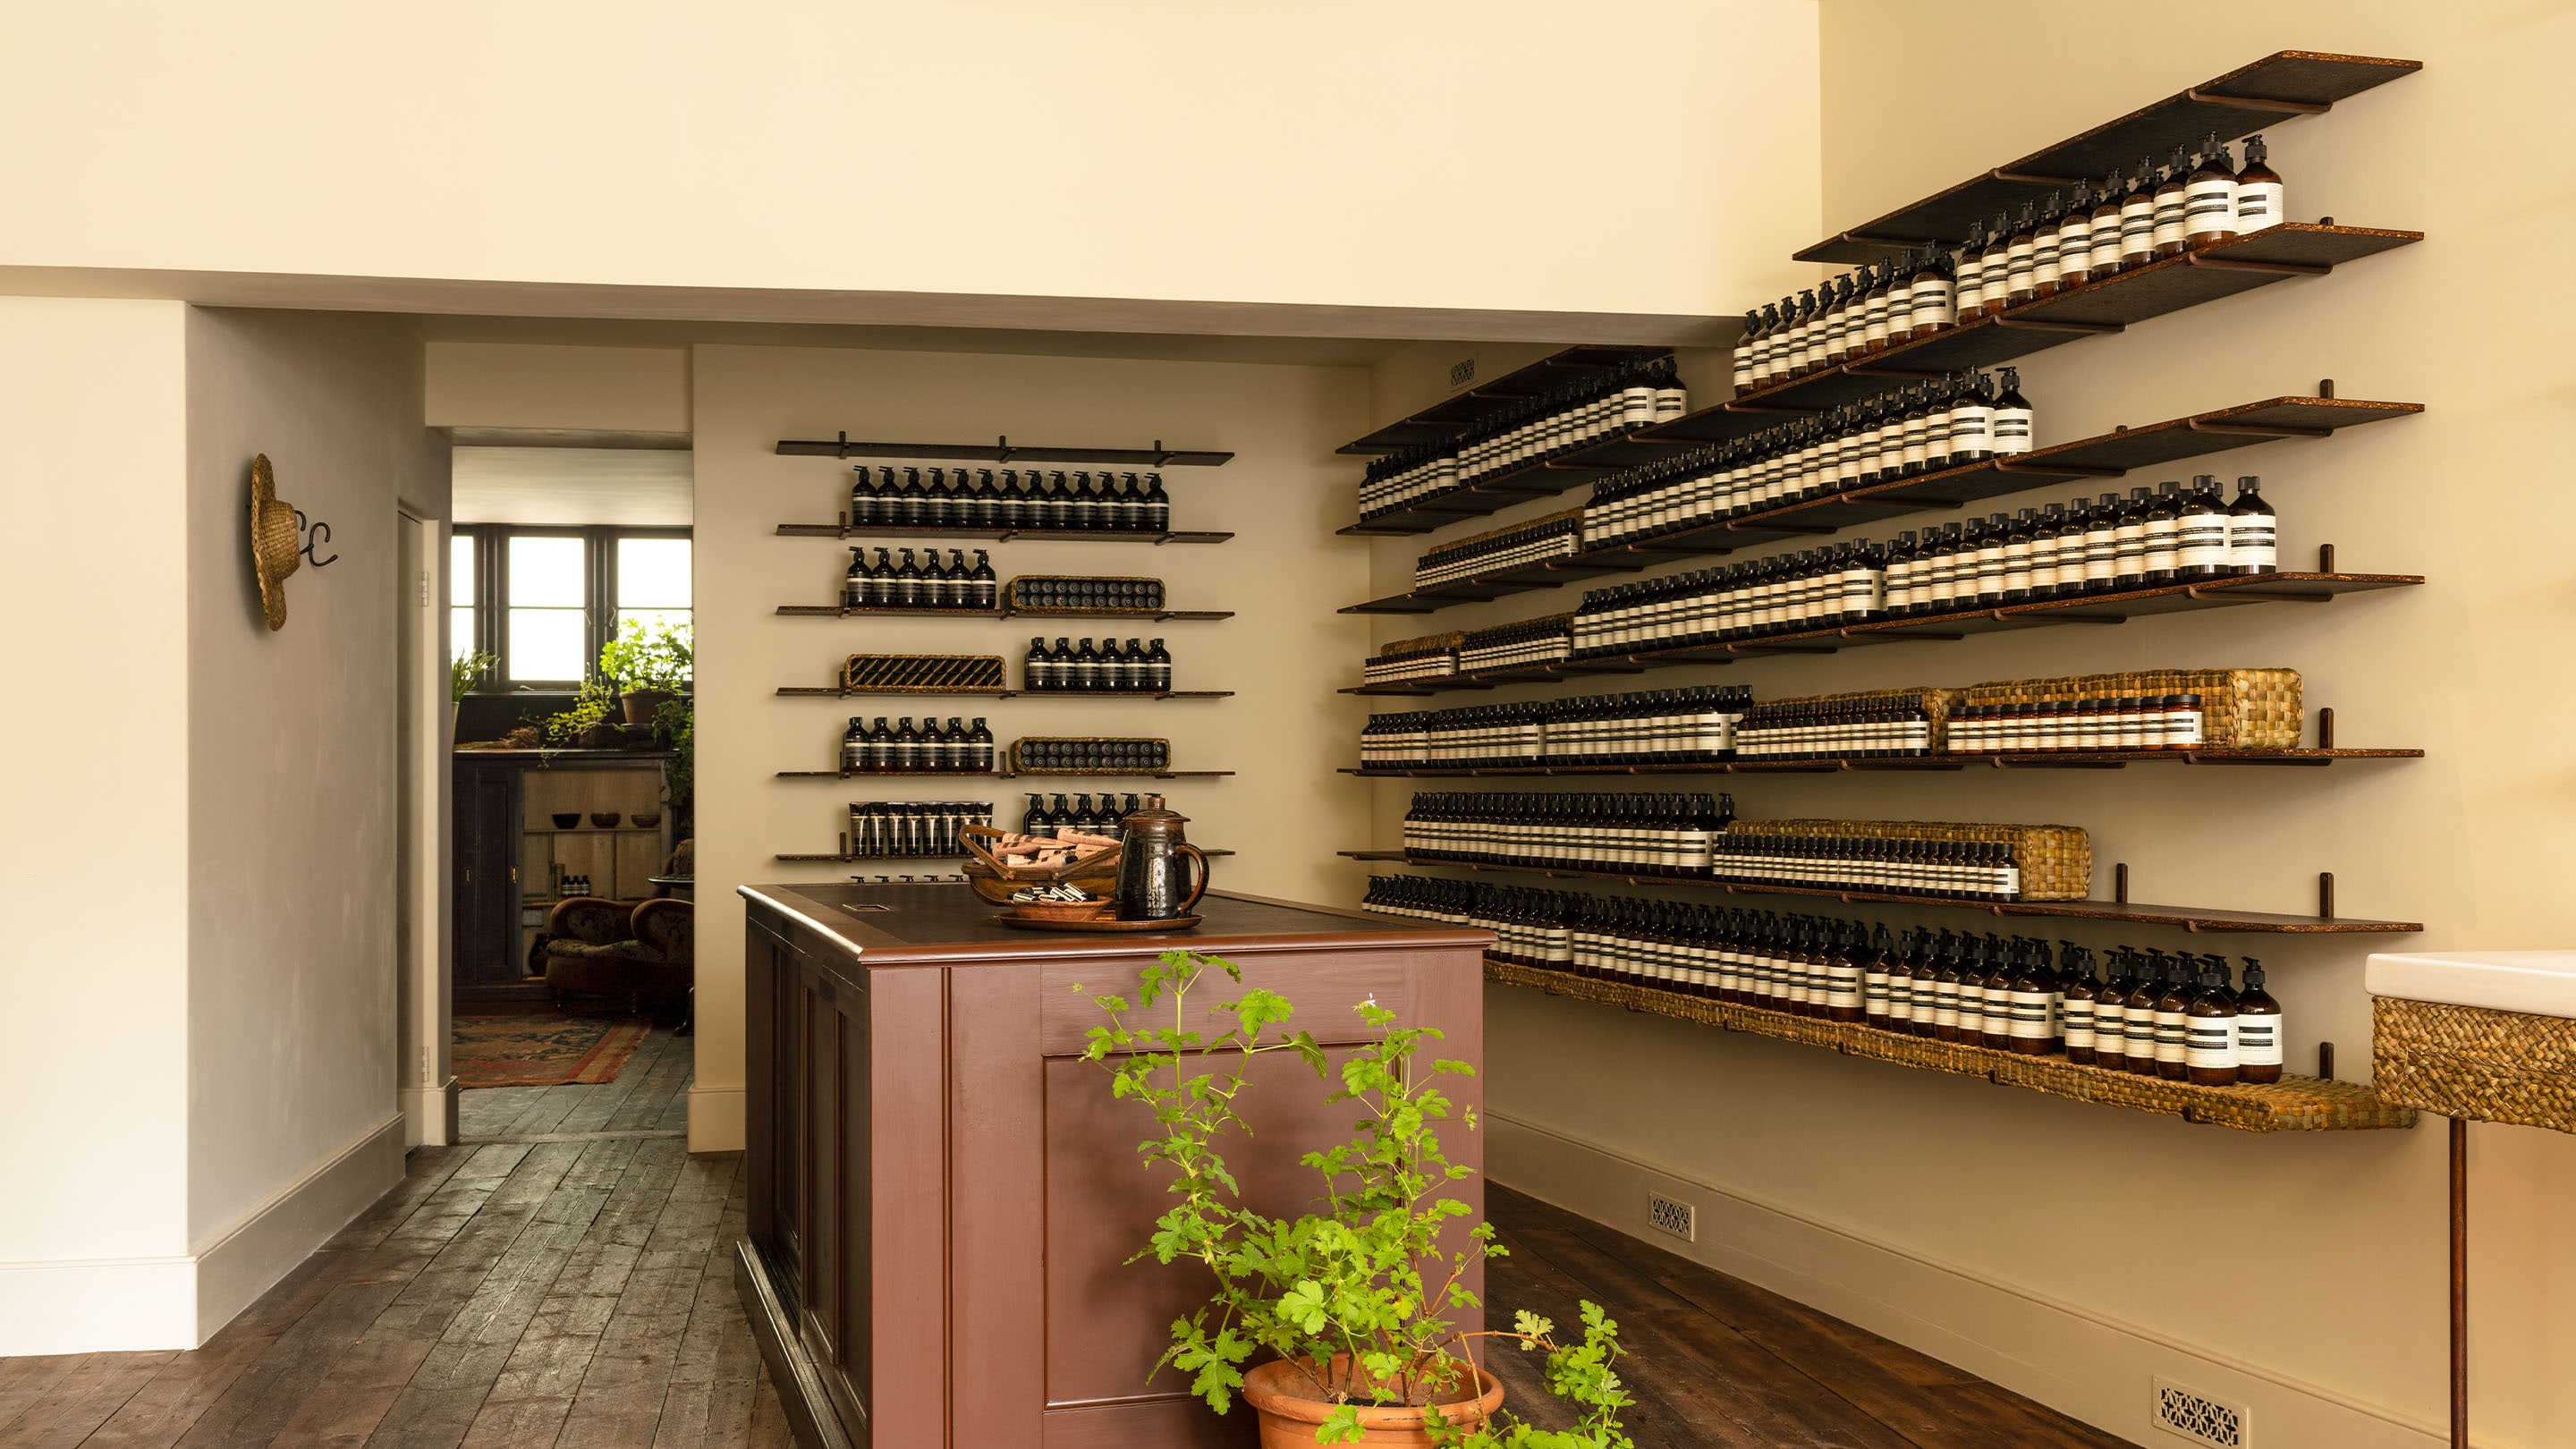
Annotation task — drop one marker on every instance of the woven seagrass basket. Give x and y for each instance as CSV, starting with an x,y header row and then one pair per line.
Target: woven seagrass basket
x,y
2473,1063
921,673
1011,594
1019,766
2242,709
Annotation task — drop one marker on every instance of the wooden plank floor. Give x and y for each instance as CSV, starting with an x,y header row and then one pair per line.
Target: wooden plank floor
x,y
565,1280
562,1279
1714,1361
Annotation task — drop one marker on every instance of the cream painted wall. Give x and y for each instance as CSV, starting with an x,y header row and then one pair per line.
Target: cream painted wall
x,y
2028,1238
1286,812
94,1045
539,387
1339,153
290,736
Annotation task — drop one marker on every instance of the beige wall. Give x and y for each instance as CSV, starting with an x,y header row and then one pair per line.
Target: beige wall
x,y
1283,574
1344,153
2033,1240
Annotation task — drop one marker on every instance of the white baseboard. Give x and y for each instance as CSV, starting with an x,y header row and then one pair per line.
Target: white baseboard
x,y
244,1260
2081,1363
99,1305
429,1114
126,1305
716,1119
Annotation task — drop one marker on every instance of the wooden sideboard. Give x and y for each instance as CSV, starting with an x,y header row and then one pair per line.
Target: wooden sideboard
x,y
943,1195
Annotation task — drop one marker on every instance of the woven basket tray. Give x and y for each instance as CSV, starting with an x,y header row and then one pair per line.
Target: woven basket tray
x,y
982,671
1938,704
2469,1062
2056,860
2242,709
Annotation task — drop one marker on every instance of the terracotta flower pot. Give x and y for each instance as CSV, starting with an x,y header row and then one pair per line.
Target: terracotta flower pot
x,y
1277,1392
640,704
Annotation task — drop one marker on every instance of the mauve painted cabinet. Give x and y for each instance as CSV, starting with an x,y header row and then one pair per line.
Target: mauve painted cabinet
x,y
944,1194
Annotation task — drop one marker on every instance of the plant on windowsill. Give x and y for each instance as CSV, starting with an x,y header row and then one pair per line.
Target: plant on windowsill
x,y
463,672
1349,1305
586,724
650,663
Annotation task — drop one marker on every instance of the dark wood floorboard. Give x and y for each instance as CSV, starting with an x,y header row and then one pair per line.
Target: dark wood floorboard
x,y
1713,1360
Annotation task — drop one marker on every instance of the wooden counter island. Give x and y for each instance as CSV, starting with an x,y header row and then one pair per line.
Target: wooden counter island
x,y
943,1194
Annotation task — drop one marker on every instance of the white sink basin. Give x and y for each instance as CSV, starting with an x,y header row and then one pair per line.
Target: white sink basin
x,y
2540,983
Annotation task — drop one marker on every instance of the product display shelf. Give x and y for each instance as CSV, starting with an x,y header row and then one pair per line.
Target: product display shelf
x,y
852,859
2100,609
843,611
1002,450
2105,455
1523,481
1002,774
2293,1104
2033,760
2277,88
821,691
2190,918
845,530
2111,304
1454,414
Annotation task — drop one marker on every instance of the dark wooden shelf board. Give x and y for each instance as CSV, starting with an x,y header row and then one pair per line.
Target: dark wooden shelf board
x,y
2106,455
2293,1104
1935,764
2251,98
1002,774
1454,414
827,692
2082,609
2195,919
2258,259
830,611
1535,478
1003,450
861,859
998,535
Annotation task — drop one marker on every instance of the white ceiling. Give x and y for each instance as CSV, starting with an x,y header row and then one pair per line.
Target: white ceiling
x,y
574,487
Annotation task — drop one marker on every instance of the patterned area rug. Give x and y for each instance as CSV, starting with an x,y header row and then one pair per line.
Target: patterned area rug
x,y
542,1047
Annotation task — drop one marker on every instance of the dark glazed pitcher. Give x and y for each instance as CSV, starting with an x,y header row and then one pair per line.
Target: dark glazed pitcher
x,y
1149,866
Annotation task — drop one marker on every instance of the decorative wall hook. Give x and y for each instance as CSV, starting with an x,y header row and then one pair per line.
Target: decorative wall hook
x,y
316,532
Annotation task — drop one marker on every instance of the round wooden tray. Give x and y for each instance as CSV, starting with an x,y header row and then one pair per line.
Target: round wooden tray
x,y
1174,923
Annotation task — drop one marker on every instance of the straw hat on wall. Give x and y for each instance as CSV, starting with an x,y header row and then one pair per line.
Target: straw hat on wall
x,y
274,550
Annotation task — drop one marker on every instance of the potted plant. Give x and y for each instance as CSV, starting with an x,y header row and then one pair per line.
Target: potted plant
x,y
1334,1326
586,723
463,672
649,664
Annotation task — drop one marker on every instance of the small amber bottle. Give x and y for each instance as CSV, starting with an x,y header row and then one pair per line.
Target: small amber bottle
x,y
2171,199
2258,1029
2210,1046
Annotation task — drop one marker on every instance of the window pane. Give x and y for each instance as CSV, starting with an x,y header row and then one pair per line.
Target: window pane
x,y
676,618
460,634
652,573
460,568
545,572
546,644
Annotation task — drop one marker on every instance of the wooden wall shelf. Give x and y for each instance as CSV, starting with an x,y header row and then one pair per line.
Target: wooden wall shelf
x,y
1002,774
1453,415
2195,919
2293,1104
2258,259
1002,450
831,692
828,611
2279,87
856,859
997,535
2096,609
2086,460
2034,760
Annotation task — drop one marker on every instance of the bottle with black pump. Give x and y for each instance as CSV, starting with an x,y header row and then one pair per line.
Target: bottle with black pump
x,y
2259,201
934,590
2043,246
2080,987
2075,239
2210,1028
854,746
2209,196
2103,247
905,590
855,584
1037,668
1158,505
2021,282
2259,1037
2173,1023
2111,1013
2138,218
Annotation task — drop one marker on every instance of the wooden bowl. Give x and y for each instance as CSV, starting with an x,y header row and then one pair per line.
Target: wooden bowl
x,y
604,819
1060,910
567,819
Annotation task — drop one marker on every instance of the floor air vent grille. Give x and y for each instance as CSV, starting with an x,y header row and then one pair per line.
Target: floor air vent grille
x,y
2201,1419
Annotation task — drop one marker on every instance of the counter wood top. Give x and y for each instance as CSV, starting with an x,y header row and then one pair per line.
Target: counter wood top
x,y
935,923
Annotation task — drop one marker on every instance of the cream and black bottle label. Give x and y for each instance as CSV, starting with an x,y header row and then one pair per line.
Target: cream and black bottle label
x,y
2259,201
2201,548
2012,416
2253,542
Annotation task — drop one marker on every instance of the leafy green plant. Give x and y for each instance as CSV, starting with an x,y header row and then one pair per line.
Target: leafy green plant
x,y
590,708
655,656
1357,1295
464,671
676,720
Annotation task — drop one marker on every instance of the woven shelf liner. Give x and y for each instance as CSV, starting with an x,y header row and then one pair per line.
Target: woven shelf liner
x,y
2477,1064
2294,1104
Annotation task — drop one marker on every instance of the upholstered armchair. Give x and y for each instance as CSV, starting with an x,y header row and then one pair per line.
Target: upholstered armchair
x,y
643,951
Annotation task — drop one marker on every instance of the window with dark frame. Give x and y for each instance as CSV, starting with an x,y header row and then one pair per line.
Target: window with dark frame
x,y
545,601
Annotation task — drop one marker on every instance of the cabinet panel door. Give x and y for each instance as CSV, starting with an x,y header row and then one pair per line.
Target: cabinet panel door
x,y
487,904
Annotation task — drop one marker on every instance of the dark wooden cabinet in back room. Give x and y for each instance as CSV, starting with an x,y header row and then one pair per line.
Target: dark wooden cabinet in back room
x,y
943,1194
